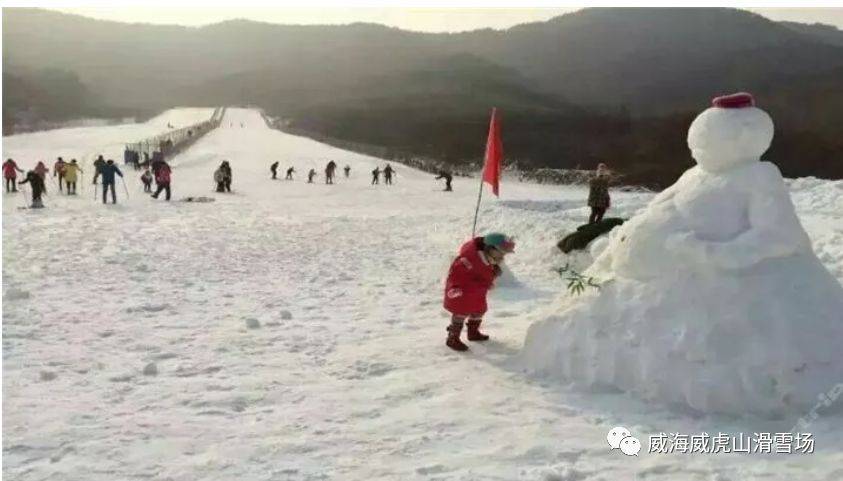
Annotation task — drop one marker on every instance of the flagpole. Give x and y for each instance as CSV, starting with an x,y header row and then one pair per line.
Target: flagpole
x,y
477,209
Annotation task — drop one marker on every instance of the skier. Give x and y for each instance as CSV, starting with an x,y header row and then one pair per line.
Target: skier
x,y
162,180
290,173
108,171
443,174
470,277
274,169
387,174
146,178
58,170
10,173
598,194
37,183
98,165
376,174
311,175
219,178
329,172
70,171
41,170
222,176
347,170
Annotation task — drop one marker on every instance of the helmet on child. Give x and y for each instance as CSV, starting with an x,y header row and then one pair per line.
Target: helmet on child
x,y
499,241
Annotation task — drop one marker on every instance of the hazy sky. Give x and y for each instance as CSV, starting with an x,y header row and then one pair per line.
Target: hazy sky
x,y
420,19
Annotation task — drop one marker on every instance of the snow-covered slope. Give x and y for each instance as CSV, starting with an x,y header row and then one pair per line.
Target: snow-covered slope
x,y
346,376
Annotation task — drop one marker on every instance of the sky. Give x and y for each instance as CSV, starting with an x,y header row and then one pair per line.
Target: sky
x,y
435,19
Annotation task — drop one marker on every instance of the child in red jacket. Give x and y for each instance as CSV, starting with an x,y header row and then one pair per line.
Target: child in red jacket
x,y
471,276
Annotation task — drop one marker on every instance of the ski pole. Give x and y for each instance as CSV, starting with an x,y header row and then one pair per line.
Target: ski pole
x,y
124,187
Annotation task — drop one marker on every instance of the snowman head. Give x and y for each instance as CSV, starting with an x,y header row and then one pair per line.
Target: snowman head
x,y
731,133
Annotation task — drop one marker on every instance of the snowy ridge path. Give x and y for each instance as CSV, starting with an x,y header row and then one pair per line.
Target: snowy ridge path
x,y
295,331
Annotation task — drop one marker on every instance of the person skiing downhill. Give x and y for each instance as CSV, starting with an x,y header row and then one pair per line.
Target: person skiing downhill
x,y
58,170
470,277
388,171
274,169
329,172
376,174
347,170
10,173
108,172
146,178
162,180
290,173
38,188
70,171
311,175
443,174
598,194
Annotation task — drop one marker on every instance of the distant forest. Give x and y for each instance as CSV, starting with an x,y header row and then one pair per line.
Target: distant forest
x,y
610,85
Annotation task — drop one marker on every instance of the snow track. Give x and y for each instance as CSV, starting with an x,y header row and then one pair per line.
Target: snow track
x,y
295,331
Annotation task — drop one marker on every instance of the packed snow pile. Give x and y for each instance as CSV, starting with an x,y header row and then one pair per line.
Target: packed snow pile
x,y
712,297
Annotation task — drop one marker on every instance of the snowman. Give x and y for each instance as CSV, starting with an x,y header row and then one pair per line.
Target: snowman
x,y
712,297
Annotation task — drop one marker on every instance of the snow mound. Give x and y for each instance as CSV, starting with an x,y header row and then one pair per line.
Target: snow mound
x,y
712,298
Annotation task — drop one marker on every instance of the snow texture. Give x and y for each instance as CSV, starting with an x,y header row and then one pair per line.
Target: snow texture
x,y
712,297
348,377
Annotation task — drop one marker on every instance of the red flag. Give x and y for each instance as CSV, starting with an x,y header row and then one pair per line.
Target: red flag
x,y
494,154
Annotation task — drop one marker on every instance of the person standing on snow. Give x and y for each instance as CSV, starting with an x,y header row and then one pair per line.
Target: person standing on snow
x,y
290,173
274,169
38,188
470,277
376,175
329,172
227,176
443,174
41,170
598,194
347,170
98,165
146,178
58,170
70,172
387,174
10,173
311,175
162,180
108,180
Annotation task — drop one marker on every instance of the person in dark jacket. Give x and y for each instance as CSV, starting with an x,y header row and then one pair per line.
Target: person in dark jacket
x,y
38,188
311,175
347,170
146,178
274,169
226,167
598,194
108,172
443,174
329,172
388,172
98,165
290,173
376,176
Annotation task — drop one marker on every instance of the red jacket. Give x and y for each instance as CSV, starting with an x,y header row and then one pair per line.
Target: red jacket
x,y
162,175
10,169
469,280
